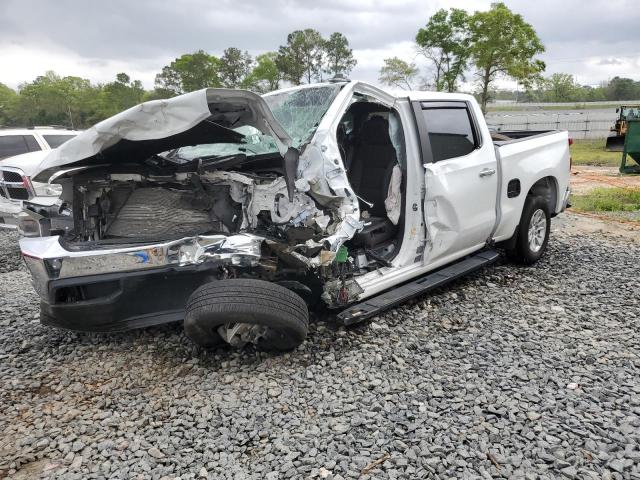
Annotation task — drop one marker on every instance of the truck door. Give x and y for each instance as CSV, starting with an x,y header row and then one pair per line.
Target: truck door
x,y
461,178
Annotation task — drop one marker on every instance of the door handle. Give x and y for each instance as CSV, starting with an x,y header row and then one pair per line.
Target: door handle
x,y
487,172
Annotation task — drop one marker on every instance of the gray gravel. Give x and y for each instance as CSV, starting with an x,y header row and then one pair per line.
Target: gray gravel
x,y
514,372
10,259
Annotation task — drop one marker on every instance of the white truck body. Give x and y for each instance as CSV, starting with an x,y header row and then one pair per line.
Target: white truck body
x,y
463,210
461,192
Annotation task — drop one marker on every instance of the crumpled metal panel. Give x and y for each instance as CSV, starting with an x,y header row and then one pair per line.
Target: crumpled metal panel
x,y
321,174
270,196
163,119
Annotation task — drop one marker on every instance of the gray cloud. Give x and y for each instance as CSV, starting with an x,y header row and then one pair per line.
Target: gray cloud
x,y
133,29
146,34
610,61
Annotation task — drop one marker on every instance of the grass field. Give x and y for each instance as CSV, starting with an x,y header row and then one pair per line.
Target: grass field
x,y
608,200
592,152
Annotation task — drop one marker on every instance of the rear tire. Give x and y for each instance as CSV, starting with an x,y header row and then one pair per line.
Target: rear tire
x,y
532,234
247,301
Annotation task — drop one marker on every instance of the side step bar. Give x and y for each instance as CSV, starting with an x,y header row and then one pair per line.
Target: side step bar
x,y
372,306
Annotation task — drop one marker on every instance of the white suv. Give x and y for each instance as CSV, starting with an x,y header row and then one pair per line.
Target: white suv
x,y
16,141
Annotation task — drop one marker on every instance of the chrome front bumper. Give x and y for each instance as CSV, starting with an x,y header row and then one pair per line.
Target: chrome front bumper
x,y
48,260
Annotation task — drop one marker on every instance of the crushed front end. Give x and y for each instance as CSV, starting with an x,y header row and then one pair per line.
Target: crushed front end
x,y
141,224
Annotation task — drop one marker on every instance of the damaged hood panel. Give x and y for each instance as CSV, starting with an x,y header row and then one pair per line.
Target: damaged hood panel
x,y
203,117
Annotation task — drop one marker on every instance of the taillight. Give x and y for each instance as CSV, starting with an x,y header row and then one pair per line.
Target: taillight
x,y
570,159
570,141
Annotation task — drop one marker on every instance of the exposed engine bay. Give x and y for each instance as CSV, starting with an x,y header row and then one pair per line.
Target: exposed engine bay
x,y
147,208
156,204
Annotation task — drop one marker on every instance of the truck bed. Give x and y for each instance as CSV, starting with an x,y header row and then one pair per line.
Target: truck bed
x,y
524,157
504,137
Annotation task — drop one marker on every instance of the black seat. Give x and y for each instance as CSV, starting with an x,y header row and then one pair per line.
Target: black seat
x,y
373,160
376,230
370,173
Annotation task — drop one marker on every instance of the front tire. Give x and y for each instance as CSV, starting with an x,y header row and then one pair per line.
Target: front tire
x,y
532,234
280,317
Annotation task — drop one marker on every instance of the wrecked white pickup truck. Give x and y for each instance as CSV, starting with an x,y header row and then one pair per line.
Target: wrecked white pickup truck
x,y
237,212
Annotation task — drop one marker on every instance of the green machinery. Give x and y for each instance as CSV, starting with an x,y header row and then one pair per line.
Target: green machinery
x,y
615,142
631,147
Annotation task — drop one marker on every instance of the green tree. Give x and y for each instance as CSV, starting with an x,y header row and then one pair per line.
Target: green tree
x,y
398,73
158,94
593,94
561,87
8,97
302,56
234,67
445,42
535,91
120,95
50,99
338,56
265,76
190,72
620,88
503,44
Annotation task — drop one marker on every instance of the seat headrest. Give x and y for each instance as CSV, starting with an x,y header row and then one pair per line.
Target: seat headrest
x,y
376,131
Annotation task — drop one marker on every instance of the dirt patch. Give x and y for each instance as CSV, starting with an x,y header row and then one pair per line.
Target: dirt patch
x,y
586,178
37,469
590,223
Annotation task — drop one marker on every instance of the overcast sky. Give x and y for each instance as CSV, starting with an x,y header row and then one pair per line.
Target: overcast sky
x,y
592,39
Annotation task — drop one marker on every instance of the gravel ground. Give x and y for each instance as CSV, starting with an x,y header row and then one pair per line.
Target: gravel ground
x,y
514,372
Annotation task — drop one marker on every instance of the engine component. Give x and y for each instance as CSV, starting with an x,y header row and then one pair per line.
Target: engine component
x,y
159,212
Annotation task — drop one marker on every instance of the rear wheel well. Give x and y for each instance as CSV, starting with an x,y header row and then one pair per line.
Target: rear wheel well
x,y
546,188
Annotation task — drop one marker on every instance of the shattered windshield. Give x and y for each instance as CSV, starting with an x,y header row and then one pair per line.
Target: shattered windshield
x,y
253,143
299,111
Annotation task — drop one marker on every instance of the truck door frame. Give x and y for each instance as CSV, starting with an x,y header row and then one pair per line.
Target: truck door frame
x,y
455,224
